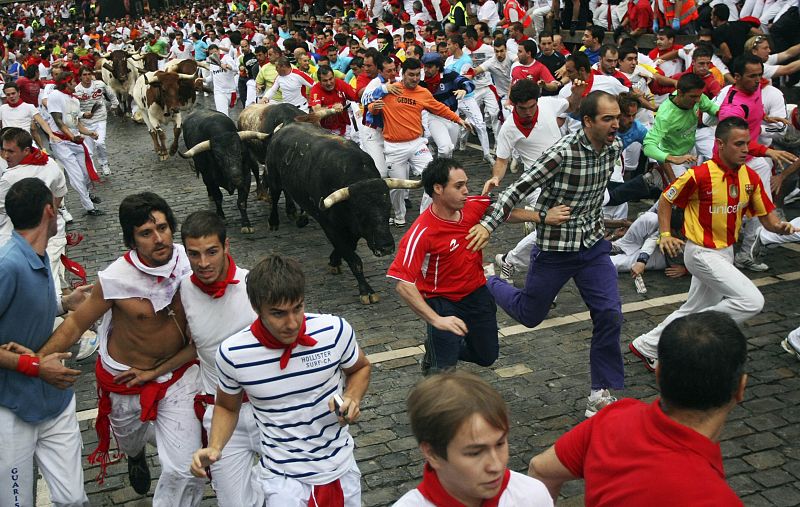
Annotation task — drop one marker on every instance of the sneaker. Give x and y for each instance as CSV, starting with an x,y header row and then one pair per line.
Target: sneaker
x,y
407,202
514,167
95,199
89,345
489,159
793,196
106,170
757,248
744,260
594,406
391,221
488,270
66,215
649,362
399,222
94,212
139,473
506,268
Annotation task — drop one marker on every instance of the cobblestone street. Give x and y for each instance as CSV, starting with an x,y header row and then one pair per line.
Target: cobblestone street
x,y
543,373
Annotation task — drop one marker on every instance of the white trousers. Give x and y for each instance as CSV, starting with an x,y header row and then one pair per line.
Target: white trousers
x,y
444,133
751,226
71,156
372,143
399,157
222,101
286,492
771,238
233,475
252,94
98,146
520,255
56,246
55,445
176,432
486,98
538,14
704,144
716,285
469,108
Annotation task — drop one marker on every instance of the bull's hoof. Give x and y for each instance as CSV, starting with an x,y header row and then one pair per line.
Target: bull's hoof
x,y
163,157
262,196
173,150
248,230
301,221
368,299
334,270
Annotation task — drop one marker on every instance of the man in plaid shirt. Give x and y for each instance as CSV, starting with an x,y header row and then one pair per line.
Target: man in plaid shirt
x,y
573,172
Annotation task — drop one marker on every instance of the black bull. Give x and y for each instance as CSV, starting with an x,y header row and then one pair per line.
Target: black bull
x,y
220,157
337,183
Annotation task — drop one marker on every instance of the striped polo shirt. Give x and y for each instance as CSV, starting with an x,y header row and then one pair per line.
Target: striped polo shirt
x,y
300,437
715,200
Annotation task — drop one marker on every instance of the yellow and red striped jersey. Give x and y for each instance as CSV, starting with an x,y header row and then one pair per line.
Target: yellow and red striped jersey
x,y
715,200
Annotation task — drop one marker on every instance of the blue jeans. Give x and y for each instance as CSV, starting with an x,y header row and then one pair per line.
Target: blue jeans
x,y
596,278
479,346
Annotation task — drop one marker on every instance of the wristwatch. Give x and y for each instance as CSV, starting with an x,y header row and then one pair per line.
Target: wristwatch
x,y
542,216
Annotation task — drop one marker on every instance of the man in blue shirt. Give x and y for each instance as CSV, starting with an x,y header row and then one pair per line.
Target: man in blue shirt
x,y
37,407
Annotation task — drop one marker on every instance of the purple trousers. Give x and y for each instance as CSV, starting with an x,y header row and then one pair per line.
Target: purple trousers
x,y
596,278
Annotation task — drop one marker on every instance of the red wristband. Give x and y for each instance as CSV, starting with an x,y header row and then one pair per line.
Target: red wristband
x,y
28,365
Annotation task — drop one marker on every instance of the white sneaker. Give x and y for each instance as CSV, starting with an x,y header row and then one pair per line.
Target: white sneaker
x,y
743,260
506,268
791,343
66,215
106,170
594,405
89,344
514,166
793,196
488,270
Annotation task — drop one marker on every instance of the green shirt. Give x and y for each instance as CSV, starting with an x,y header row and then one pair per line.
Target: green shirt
x,y
266,78
673,132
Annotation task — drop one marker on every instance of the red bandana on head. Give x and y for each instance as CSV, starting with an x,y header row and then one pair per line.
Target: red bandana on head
x,y
434,492
525,129
217,289
266,339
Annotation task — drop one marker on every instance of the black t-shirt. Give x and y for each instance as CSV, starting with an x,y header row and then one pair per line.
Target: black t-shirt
x,y
553,62
735,34
250,63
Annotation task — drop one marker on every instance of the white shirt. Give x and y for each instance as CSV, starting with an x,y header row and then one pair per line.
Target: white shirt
x,y
600,82
293,86
50,173
20,116
501,73
69,107
775,107
481,54
488,14
521,490
181,54
211,321
300,437
223,80
544,134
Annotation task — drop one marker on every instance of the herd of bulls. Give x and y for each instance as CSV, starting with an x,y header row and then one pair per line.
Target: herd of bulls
x,y
330,178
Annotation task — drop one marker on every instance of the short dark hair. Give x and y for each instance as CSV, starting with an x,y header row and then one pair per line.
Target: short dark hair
x,y
500,41
627,49
590,105
529,46
523,91
721,11
203,223
31,71
667,32
440,404
22,138
702,49
323,70
702,358
457,39
545,33
626,100
137,209
25,202
471,33
724,127
689,82
438,173
597,32
605,48
741,62
275,280
12,85
580,60
411,64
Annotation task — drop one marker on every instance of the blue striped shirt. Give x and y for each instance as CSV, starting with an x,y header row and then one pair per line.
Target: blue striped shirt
x,y
300,437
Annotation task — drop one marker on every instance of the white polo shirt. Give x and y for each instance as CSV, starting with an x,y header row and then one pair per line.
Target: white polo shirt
x,y
20,116
544,134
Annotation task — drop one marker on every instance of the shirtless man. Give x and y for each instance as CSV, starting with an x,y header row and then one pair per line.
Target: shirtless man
x,y
143,326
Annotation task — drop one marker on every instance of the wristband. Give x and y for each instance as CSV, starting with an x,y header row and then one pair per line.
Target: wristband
x,y
666,234
28,365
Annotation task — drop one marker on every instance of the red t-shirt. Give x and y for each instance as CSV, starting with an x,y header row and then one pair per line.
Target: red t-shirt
x,y
362,80
640,16
535,71
631,453
29,90
656,53
341,93
433,254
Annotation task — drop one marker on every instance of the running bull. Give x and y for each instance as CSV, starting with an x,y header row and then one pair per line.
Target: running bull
x,y
120,73
337,183
220,157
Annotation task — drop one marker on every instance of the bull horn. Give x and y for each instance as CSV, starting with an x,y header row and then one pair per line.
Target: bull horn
x,y
108,67
246,135
186,76
196,149
161,57
395,183
136,57
336,197
150,77
105,55
203,65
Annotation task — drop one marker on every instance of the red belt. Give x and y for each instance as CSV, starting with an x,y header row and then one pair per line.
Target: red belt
x,y
87,157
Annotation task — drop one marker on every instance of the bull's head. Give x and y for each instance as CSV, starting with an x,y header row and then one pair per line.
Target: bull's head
x,y
369,205
169,84
119,65
228,155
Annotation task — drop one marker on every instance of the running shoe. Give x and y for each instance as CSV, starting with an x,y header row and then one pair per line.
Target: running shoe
x,y
593,406
89,345
95,199
789,342
506,268
744,260
649,362
489,159
793,196
139,473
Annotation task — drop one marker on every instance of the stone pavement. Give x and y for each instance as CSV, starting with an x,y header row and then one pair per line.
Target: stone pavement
x,y
542,373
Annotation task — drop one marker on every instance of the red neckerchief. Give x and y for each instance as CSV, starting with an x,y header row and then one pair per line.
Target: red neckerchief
x,y
180,48
729,173
477,47
19,103
526,130
433,83
589,83
266,339
35,157
217,289
434,492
